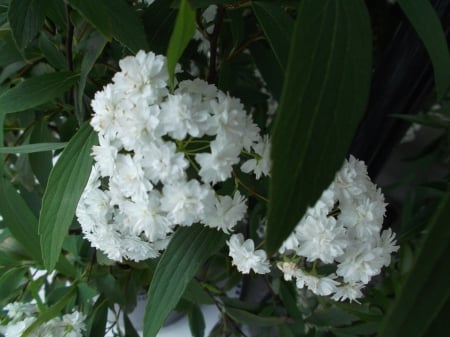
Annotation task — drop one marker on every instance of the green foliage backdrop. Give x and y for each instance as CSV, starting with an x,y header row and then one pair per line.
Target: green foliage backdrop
x,y
313,56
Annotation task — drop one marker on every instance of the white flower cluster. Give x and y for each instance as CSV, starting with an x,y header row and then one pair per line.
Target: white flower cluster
x,y
22,315
343,229
159,157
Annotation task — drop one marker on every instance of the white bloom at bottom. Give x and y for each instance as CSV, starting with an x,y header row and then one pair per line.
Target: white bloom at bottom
x,y
350,291
322,286
245,257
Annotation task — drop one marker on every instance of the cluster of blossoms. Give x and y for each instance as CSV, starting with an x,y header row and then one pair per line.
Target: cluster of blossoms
x,y
160,156
20,316
342,231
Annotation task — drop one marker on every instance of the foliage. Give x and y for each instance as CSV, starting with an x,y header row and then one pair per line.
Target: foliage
x,y
311,61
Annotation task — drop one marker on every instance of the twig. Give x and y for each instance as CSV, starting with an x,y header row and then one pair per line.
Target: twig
x,y
214,39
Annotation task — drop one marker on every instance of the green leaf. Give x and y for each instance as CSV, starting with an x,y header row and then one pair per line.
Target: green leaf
x,y
41,162
20,219
426,289
25,19
96,12
196,321
94,48
130,330
425,21
11,281
36,91
196,294
65,185
159,20
52,53
181,35
277,26
32,148
127,26
188,249
114,18
248,318
324,96
96,321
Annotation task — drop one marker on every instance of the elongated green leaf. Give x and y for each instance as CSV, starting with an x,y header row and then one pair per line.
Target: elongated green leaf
x,y
187,251
251,319
41,162
114,18
277,26
324,96
20,219
10,282
65,185
52,53
181,35
35,91
196,321
159,20
96,12
425,21
426,289
25,19
127,26
94,49
96,321
32,148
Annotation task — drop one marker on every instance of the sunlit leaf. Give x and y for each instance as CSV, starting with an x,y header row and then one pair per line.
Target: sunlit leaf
x,y
181,35
32,148
65,185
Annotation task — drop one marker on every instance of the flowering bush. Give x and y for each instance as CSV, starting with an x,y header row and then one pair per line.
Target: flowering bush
x,y
193,150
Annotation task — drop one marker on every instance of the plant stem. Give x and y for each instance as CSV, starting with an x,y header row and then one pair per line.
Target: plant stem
x,y
214,39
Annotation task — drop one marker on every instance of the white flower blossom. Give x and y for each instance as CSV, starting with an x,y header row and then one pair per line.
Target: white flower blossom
x,y
261,165
245,257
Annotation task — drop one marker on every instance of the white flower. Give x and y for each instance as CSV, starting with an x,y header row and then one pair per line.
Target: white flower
x,y
289,269
105,156
261,165
320,237
129,177
184,202
147,218
322,286
181,116
16,329
350,291
18,310
73,324
162,163
227,212
245,257
144,75
359,263
217,165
